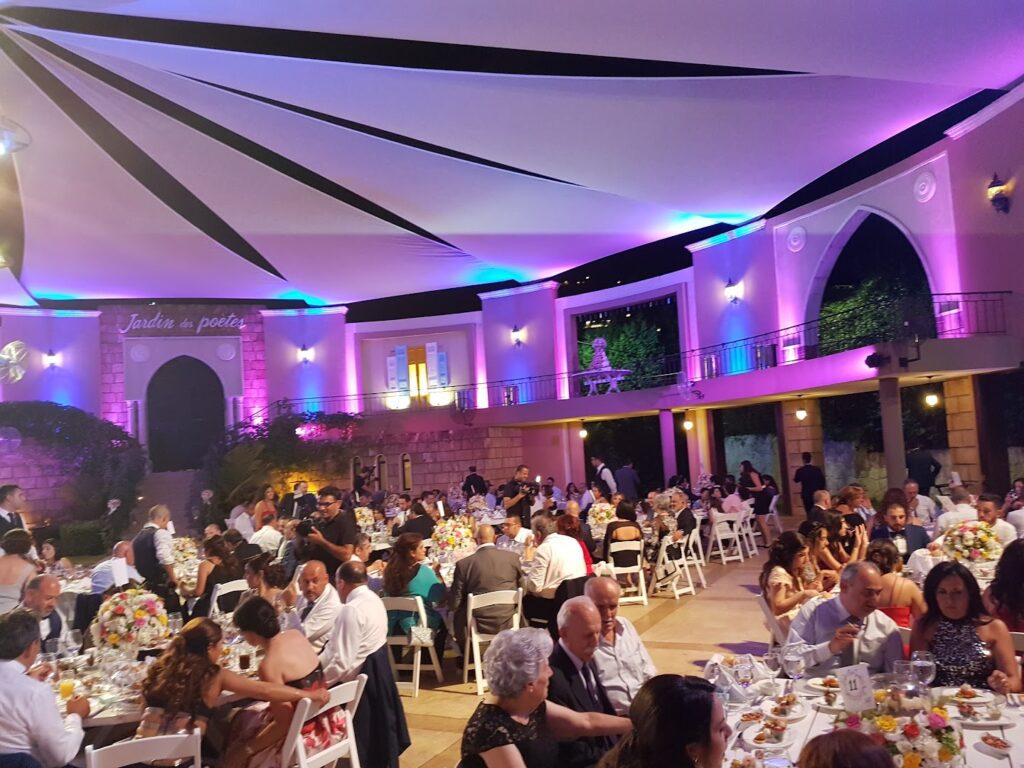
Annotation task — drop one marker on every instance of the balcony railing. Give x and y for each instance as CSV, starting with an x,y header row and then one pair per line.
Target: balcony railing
x,y
942,316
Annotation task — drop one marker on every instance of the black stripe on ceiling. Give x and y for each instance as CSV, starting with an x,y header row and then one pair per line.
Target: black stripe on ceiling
x,y
359,49
122,150
380,133
254,150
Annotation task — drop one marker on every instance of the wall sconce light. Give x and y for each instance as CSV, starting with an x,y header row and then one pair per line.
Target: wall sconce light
x,y
306,354
733,291
687,423
999,194
931,400
518,335
51,359
583,432
801,412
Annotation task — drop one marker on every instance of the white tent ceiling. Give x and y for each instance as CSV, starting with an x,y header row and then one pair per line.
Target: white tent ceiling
x,y
345,151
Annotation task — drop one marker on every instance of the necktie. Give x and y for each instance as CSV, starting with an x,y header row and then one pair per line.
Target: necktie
x,y
306,611
589,681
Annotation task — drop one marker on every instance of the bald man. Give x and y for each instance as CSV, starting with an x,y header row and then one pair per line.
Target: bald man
x,y
489,569
318,604
40,597
117,570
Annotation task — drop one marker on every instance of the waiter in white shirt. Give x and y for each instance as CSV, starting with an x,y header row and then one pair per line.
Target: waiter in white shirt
x,y
32,722
604,473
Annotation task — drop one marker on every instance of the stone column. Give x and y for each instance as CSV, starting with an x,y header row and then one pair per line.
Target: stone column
x,y
892,431
698,443
797,437
666,425
962,429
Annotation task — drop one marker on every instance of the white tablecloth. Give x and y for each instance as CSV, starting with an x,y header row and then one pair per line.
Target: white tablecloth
x,y
921,562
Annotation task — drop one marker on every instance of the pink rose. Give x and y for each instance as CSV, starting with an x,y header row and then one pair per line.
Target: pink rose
x,y
853,721
119,610
936,720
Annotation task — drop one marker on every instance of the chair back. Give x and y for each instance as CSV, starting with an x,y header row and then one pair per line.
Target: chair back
x,y
412,605
722,519
771,620
177,747
86,608
636,547
223,590
512,597
347,696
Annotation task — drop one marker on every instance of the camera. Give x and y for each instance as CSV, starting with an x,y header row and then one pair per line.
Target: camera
x,y
304,528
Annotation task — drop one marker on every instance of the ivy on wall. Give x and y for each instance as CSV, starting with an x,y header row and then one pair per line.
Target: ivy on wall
x,y
634,345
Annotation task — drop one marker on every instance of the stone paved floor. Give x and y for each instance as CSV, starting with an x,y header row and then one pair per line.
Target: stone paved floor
x,y
680,636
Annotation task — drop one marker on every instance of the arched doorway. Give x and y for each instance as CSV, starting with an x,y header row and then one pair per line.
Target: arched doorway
x,y
184,413
876,291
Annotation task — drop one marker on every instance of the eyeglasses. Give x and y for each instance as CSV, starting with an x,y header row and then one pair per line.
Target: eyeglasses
x,y
326,503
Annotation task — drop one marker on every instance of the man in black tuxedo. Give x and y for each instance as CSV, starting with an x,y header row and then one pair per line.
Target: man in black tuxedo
x,y
907,538
418,521
474,485
12,500
299,503
489,569
574,681
822,504
811,480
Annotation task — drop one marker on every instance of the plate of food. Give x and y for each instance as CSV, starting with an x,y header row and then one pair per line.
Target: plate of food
x,y
773,734
968,694
770,687
978,716
822,684
828,702
993,745
786,707
751,717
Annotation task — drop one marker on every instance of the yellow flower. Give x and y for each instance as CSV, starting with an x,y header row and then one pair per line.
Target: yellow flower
x,y
886,723
940,711
944,755
140,614
113,638
879,697
163,619
911,760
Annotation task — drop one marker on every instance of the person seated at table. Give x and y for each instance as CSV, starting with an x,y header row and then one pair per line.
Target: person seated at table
x,y
15,567
318,603
418,521
514,726
819,555
183,686
41,595
1004,597
782,578
57,566
586,532
569,525
409,575
219,567
990,507
677,721
103,573
33,725
514,536
288,659
240,548
836,555
962,512
844,748
901,599
907,538
623,528
211,530
266,579
970,647
839,632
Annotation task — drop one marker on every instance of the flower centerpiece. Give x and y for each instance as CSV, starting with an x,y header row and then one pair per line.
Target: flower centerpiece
x,y
600,515
972,541
926,739
453,539
477,507
131,619
364,518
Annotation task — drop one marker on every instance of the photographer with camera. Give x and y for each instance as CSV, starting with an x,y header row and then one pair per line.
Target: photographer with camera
x,y
332,538
520,492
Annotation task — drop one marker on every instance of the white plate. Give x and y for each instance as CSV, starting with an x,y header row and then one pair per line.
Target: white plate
x,y
817,684
985,749
1002,722
747,737
982,697
831,709
799,711
770,687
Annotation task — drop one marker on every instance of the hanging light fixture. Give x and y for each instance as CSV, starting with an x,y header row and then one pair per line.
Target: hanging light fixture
x,y
687,422
931,399
13,137
801,412
583,432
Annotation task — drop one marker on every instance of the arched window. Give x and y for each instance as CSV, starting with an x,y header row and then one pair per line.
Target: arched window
x,y
406,472
382,473
357,467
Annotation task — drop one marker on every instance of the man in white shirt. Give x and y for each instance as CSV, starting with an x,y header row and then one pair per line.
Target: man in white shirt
x,y
360,629
41,593
122,560
269,537
154,557
623,664
990,507
514,536
318,604
846,630
962,511
241,520
556,559
32,722
1016,519
921,508
604,473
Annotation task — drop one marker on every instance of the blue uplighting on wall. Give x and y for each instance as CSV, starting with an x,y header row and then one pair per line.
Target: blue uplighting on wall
x,y
293,294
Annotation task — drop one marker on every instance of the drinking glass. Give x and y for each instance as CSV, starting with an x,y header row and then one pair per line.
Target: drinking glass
x,y
794,665
174,623
922,665
67,685
52,647
744,672
74,644
773,660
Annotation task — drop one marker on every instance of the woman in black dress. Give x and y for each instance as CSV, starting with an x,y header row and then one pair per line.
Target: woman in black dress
x,y
219,567
514,726
750,479
623,528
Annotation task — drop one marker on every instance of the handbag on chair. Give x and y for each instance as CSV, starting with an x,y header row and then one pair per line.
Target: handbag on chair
x,y
421,636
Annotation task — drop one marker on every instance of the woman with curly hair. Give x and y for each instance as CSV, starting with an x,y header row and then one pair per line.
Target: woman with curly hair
x,y
1004,598
219,567
183,686
409,575
782,578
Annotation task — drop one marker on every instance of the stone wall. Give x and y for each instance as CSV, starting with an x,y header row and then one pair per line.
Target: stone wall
x,y
41,476
760,450
112,400
846,463
254,366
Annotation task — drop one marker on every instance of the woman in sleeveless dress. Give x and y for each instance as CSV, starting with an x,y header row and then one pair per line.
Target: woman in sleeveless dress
x,y
257,732
219,567
15,569
970,647
782,582
901,599
750,479
1004,597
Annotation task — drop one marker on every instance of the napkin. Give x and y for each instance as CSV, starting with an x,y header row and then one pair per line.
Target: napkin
x,y
721,669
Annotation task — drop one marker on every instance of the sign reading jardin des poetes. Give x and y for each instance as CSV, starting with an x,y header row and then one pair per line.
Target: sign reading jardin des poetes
x,y
181,320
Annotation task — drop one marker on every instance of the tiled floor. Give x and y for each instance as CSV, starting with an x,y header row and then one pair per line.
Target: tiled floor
x,y
680,636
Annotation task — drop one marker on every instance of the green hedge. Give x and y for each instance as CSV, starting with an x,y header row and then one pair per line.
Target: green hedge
x,y
77,539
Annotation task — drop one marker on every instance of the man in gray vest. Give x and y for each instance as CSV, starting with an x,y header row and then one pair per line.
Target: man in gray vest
x,y
154,558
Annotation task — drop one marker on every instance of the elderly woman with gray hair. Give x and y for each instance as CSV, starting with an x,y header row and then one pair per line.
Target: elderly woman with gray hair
x,y
514,727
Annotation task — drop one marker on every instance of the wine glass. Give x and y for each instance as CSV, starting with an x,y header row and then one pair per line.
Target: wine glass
x,y
744,673
174,623
794,665
74,642
922,666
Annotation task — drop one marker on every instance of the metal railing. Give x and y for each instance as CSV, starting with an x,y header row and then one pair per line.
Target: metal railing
x,y
904,318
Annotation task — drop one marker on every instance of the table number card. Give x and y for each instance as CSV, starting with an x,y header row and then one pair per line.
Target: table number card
x,y
855,685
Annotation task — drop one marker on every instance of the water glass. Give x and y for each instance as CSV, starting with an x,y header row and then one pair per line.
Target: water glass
x,y
794,665
744,673
773,660
174,623
922,665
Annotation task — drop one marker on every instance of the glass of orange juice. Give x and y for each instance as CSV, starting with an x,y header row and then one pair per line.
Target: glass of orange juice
x,y
67,686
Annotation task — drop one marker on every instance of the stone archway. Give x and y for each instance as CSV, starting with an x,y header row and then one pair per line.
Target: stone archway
x,y
184,413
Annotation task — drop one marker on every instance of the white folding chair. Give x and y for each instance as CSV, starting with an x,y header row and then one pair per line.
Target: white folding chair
x,y
1018,641
669,571
475,638
748,528
293,750
412,605
639,586
778,636
176,747
693,553
222,590
773,513
723,533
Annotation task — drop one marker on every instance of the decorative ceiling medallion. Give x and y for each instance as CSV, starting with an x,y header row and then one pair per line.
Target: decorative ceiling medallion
x,y
226,351
139,353
796,239
924,187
